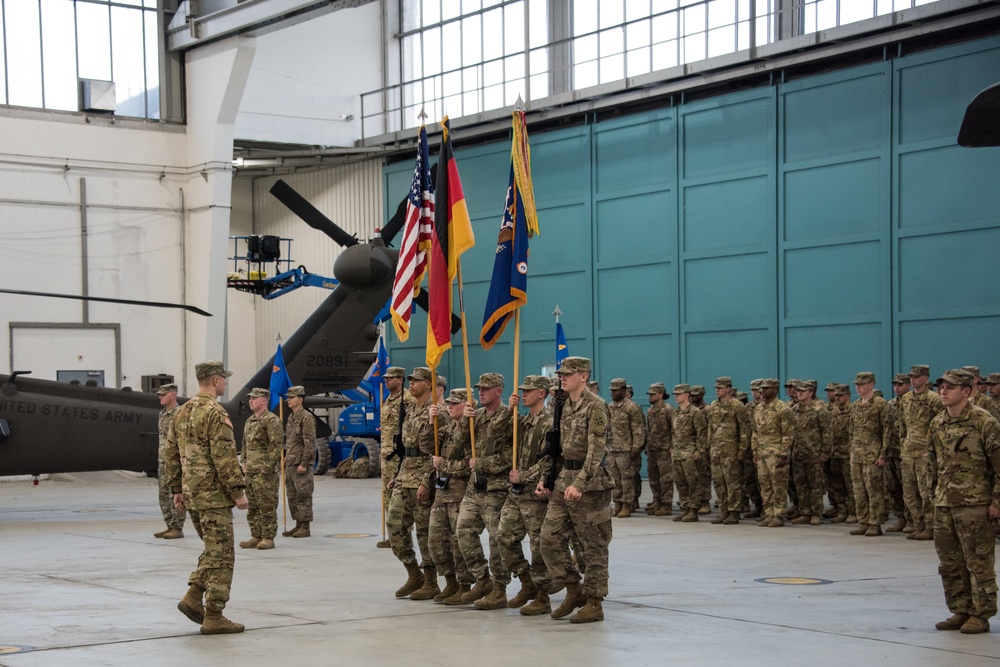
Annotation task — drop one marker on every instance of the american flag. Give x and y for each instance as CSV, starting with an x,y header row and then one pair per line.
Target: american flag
x,y
416,241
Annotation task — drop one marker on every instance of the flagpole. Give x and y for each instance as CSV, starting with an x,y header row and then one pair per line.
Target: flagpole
x,y
434,421
381,402
517,356
465,355
284,496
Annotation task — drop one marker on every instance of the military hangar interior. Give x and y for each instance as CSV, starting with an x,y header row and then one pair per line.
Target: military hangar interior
x,y
746,188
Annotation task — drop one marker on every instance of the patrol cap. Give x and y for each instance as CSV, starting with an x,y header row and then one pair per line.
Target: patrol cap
x,y
297,390
535,382
806,385
657,388
920,369
843,390
682,389
901,378
992,378
166,389
619,383
957,377
790,382
831,386
742,396
490,380
593,385
420,373
207,369
575,365
724,381
864,377
973,370
259,392
773,383
395,372
755,384
457,396
697,390
442,381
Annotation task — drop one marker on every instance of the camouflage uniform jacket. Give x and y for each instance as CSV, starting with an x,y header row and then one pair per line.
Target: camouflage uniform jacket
x,y
389,418
628,428
165,422
728,435
840,436
915,414
659,434
585,430
773,429
690,433
867,426
494,447
300,439
201,457
532,466
812,429
983,401
965,458
418,434
456,449
262,438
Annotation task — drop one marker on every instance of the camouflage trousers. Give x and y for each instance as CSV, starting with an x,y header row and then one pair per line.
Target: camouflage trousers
x,y
442,540
792,492
523,515
917,491
751,489
479,511
299,490
622,472
215,564
869,492
773,478
705,479
686,478
173,517
589,518
894,495
660,469
966,548
839,486
727,473
809,483
262,495
388,471
405,513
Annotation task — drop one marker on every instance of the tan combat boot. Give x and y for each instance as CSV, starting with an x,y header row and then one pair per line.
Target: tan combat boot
x,y
925,534
592,611
497,599
302,530
290,531
616,510
430,587
162,532
975,626
815,521
217,624
851,518
680,517
691,515
540,605
733,518
250,544
909,528
575,598
663,511
527,592
450,588
800,520
874,530
265,544
896,527
840,518
723,515
383,544
860,530
764,520
652,507
704,509
415,580
954,623
458,597
776,522
191,604
625,513
173,534
482,588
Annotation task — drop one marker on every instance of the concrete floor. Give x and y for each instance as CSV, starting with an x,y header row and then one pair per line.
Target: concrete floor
x,y
83,582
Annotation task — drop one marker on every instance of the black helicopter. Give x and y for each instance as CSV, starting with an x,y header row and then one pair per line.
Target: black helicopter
x,y
53,427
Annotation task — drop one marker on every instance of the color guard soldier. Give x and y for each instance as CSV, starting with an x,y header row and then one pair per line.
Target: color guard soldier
x,y
300,450
395,377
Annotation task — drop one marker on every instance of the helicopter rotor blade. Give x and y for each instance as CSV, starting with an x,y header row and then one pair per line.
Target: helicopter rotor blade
x,y
311,215
130,302
396,222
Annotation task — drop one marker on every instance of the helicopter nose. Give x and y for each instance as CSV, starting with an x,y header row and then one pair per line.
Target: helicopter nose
x,y
363,265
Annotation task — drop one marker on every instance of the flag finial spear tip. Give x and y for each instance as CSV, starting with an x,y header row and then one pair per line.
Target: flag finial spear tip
x,y
422,115
519,106
557,312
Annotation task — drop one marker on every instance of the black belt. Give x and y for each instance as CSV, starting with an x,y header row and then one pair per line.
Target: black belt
x,y
413,451
572,465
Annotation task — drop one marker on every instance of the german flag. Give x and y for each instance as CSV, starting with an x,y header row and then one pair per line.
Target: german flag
x,y
452,235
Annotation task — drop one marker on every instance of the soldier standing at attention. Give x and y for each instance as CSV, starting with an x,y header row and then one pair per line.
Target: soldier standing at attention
x,y
811,446
704,463
300,448
690,438
173,517
992,383
916,410
524,511
262,439
729,442
580,503
202,467
867,456
751,487
793,496
839,487
772,443
659,421
628,435
965,458
389,418
410,504
978,398
893,469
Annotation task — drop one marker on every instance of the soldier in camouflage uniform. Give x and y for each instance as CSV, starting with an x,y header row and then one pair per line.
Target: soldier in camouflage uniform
x,y
867,425
992,383
486,496
628,436
772,442
203,473
916,410
300,449
690,439
524,511
389,427
580,503
811,447
839,485
410,504
751,487
262,440
965,459
893,469
660,466
452,471
173,517
729,442
978,398
704,462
